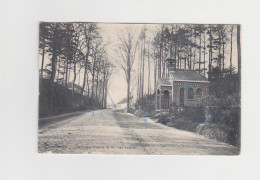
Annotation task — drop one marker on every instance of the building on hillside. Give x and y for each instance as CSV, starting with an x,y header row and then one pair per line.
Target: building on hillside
x,y
179,87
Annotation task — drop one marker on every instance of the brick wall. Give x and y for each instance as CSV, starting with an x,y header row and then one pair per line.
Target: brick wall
x,y
186,85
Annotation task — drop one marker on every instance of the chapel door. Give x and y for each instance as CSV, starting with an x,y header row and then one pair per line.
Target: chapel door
x,y
166,98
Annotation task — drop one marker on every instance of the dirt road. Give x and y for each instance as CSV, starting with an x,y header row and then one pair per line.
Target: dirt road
x,y
110,132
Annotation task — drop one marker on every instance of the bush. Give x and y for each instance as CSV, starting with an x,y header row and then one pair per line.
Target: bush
x,y
183,125
164,119
220,132
191,114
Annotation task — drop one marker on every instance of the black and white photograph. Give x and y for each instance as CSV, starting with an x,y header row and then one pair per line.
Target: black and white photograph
x,y
139,88
129,90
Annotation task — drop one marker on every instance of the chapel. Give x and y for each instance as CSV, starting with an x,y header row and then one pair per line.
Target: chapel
x,y
179,87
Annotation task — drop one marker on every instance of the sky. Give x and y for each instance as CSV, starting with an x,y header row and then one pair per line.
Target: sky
x,y
118,86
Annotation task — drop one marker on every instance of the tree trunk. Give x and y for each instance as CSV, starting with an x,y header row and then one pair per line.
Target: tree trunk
x,y
53,72
190,51
93,80
69,74
204,54
200,53
53,66
159,62
149,80
79,78
239,54
223,64
87,84
103,90
178,59
97,86
138,78
231,42
210,54
43,53
105,95
128,90
74,79
155,74
142,93
66,73
85,74
58,70
219,56
194,61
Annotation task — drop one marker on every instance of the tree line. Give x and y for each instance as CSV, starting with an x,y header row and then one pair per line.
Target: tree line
x,y
207,49
74,55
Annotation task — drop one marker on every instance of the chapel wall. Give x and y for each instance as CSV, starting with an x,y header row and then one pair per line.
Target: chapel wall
x,y
186,85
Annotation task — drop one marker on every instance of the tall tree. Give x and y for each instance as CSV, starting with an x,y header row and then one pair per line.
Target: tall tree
x,y
239,54
90,32
210,47
127,47
42,42
231,48
142,39
54,43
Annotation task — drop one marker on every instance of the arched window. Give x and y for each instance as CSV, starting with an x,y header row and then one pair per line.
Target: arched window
x,y
199,92
182,97
190,93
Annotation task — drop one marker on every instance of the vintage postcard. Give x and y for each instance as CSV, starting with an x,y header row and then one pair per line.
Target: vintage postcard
x,y
148,89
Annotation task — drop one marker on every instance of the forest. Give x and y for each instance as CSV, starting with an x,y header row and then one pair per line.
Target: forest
x,y
76,64
212,50
74,69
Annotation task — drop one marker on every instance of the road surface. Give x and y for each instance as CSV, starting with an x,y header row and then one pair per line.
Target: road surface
x,y
111,132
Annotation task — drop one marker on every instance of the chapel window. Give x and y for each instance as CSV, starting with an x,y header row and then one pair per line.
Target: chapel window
x,y
190,93
199,92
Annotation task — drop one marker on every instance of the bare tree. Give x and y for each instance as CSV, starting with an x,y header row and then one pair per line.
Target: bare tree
x,y
90,32
127,47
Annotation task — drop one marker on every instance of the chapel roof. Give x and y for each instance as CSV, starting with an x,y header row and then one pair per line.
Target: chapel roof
x,y
187,75
164,81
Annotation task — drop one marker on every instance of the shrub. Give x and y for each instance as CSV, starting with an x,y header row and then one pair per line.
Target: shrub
x,y
220,132
192,114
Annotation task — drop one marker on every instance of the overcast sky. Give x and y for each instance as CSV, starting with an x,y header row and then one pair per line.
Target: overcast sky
x,y
118,86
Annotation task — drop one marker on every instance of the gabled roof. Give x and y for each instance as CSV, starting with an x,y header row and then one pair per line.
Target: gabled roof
x,y
164,82
187,75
